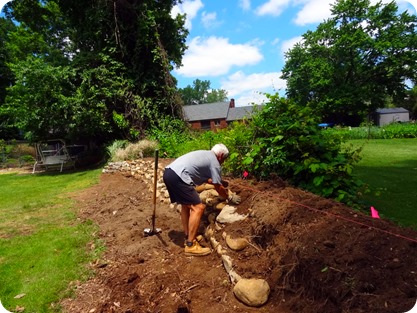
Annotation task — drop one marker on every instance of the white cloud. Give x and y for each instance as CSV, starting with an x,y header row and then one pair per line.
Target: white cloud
x,y
3,3
209,20
215,56
244,4
313,11
288,44
250,88
275,41
404,5
250,98
188,7
272,7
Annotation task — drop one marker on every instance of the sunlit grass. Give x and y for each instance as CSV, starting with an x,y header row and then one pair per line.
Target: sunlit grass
x,y
43,246
389,166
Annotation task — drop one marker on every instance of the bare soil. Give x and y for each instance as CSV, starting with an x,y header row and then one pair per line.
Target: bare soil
x,y
316,255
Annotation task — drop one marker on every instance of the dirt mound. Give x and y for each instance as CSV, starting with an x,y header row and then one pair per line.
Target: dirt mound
x,y
316,255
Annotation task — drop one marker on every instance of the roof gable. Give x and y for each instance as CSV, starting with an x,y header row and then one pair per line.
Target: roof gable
x,y
239,113
391,110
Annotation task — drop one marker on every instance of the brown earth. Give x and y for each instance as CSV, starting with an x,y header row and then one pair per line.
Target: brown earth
x,y
316,255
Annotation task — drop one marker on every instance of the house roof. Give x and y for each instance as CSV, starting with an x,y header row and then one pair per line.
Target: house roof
x,y
391,110
238,113
206,111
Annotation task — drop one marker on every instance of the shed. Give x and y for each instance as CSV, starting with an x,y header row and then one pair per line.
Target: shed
x,y
391,115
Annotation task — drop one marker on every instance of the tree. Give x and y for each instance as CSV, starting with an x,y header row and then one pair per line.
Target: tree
x,y
38,100
93,69
200,93
410,102
144,38
6,77
31,33
7,130
353,62
216,95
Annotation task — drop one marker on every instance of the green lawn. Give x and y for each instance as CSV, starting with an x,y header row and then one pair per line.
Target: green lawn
x,y
389,167
42,244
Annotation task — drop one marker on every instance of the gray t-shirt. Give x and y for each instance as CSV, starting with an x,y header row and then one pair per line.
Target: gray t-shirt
x,y
196,167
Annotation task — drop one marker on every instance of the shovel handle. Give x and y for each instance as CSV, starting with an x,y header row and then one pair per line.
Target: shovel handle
x,y
155,179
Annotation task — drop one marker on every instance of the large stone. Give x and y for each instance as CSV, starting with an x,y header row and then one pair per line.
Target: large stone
x,y
237,244
209,197
252,292
228,215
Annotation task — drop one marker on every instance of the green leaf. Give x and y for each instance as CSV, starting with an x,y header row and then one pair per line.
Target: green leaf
x,y
314,167
247,161
318,180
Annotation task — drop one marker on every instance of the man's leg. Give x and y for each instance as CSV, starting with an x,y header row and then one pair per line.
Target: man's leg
x,y
185,217
195,215
192,247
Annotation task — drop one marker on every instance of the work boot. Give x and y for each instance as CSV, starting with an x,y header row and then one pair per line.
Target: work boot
x,y
199,239
194,249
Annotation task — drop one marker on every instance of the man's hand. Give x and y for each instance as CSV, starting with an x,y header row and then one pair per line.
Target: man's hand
x,y
234,198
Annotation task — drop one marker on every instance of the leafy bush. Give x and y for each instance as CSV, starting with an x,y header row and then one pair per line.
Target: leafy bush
x,y
284,140
171,134
14,153
202,140
399,130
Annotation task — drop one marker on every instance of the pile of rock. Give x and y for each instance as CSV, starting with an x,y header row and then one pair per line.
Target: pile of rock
x,y
253,292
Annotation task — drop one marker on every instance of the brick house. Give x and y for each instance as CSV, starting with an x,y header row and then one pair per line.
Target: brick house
x,y
213,116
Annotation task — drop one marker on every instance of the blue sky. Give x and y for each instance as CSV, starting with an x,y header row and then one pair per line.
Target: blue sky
x,y
239,45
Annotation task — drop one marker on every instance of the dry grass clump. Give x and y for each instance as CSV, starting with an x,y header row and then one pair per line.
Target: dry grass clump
x,y
130,151
23,149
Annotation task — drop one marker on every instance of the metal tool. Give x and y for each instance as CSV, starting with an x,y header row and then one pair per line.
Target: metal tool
x,y
152,231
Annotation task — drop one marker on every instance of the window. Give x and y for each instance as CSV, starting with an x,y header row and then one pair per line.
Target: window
x,y
205,124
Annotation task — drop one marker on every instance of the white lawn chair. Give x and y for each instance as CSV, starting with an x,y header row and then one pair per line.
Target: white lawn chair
x,y
53,154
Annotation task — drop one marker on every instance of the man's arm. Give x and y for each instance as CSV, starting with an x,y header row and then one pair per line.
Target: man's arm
x,y
223,192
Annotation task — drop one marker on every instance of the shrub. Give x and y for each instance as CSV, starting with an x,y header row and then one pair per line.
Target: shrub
x,y
14,153
122,150
390,131
284,140
142,149
114,149
171,134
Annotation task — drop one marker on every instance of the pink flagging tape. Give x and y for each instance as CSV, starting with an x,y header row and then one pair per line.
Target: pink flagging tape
x,y
374,213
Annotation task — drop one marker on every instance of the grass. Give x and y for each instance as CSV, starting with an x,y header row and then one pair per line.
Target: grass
x,y
42,244
389,167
